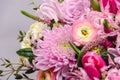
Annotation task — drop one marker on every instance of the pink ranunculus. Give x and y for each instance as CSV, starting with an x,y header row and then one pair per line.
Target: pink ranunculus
x,y
112,4
92,63
83,32
46,75
113,74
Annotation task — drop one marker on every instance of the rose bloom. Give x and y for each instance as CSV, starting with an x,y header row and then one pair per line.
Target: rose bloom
x,y
83,32
46,75
113,74
92,63
112,4
67,11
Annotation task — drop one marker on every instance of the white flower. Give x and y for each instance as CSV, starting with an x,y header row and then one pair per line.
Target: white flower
x,y
34,32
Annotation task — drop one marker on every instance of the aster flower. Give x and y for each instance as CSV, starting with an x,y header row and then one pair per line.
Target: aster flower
x,y
67,10
54,51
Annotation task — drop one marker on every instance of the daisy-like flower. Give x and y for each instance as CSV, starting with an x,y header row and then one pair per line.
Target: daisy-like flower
x,y
54,50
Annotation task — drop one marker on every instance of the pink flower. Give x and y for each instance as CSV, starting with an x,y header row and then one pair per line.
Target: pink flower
x,y
92,63
77,74
83,31
67,11
112,4
113,74
46,75
54,50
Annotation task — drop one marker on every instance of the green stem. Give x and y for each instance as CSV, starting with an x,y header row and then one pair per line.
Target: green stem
x,y
77,51
79,59
31,16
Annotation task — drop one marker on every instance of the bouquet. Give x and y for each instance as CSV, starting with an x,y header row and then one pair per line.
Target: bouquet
x,y
70,40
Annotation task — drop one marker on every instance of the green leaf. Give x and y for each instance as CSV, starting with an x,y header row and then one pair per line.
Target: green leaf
x,y
19,68
25,76
26,52
31,59
30,15
105,56
105,23
51,23
7,60
1,71
79,63
18,76
29,71
8,65
77,51
95,5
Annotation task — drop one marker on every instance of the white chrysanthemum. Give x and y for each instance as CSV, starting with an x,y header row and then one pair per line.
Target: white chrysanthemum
x,y
34,31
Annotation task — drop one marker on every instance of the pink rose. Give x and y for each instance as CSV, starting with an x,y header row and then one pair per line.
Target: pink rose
x,y
92,63
46,75
112,4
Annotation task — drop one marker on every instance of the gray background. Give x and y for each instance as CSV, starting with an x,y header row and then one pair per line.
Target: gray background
x,y
11,21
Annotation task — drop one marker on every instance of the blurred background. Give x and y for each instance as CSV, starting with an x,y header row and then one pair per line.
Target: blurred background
x,y
11,22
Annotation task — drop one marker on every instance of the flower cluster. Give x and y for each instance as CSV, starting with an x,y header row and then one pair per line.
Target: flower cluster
x,y
74,40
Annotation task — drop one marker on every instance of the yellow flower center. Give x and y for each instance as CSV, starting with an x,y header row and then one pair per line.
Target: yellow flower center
x,y
84,31
65,46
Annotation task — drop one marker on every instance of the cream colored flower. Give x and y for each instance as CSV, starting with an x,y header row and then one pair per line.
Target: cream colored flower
x,y
34,32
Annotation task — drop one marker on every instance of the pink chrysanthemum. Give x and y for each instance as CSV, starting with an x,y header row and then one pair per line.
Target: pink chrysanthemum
x,y
54,51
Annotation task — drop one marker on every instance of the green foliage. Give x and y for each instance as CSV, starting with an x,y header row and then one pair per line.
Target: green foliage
x,y
26,52
77,51
105,23
51,23
95,5
30,15
18,76
21,35
105,56
29,71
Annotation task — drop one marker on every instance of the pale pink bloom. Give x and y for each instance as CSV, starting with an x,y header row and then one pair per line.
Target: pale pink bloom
x,y
92,63
78,74
113,74
54,50
67,11
46,75
116,51
83,32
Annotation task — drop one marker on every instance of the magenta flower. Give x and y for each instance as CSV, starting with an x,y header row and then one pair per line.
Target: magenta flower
x,y
83,32
92,63
54,51
112,5
46,75
67,11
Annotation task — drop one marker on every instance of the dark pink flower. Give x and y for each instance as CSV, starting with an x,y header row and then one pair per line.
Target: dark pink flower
x,y
92,63
112,4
